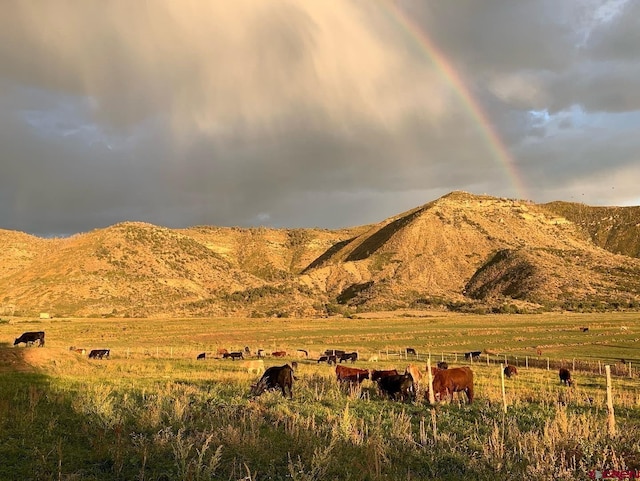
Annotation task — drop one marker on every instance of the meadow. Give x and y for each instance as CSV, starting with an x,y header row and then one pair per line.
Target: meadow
x,y
154,412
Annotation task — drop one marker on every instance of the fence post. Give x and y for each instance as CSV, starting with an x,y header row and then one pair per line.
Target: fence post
x,y
432,396
611,417
574,364
547,364
526,361
504,395
599,368
487,359
505,360
442,356
629,368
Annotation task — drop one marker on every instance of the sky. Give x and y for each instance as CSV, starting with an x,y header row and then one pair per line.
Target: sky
x,y
322,113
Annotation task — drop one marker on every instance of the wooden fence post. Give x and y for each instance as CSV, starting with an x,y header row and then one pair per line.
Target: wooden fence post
x,y
526,362
442,356
432,396
505,360
547,364
487,359
611,418
629,368
504,395
599,368
574,364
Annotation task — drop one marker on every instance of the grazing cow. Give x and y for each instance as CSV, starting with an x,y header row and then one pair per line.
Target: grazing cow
x,y
410,350
472,355
279,353
78,350
247,351
397,386
416,375
374,358
260,353
584,329
349,356
276,377
99,353
328,359
351,374
510,371
202,355
233,355
565,377
257,366
443,365
448,381
222,351
302,353
375,374
539,352
29,338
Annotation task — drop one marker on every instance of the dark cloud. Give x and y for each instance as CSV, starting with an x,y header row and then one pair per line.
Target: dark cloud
x,y
321,114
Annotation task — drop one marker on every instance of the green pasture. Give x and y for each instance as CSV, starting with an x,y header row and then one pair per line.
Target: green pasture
x,y
154,412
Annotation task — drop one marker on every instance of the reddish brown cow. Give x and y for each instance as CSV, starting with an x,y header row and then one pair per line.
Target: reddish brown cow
x,y
510,371
351,374
448,381
279,353
375,375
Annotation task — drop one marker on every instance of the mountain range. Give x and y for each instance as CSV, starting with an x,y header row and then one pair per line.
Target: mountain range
x,y
461,252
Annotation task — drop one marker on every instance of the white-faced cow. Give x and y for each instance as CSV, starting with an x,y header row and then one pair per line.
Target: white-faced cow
x,y
30,337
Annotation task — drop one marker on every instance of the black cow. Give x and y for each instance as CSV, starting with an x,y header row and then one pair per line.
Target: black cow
x,y
328,359
443,365
398,386
276,377
375,375
565,376
99,353
472,355
233,355
411,350
349,356
30,337
584,329
202,355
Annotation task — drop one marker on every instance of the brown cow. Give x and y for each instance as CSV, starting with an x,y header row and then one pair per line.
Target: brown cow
x,y
279,353
276,377
351,374
375,374
448,381
510,371
565,376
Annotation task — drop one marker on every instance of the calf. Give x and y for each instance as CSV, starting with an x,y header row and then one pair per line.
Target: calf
x,y
257,366
30,337
397,386
202,355
276,377
99,353
233,355
565,377
510,371
448,381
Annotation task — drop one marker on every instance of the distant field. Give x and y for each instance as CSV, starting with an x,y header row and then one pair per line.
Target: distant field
x,y
153,412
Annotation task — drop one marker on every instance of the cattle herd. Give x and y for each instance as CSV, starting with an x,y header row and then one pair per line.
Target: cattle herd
x,y
391,384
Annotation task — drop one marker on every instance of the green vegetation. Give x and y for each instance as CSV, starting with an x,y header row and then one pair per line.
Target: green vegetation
x,y
152,412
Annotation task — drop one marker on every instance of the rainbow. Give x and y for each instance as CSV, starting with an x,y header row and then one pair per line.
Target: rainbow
x,y
449,73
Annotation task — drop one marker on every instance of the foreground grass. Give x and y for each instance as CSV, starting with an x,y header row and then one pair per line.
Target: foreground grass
x,y
153,412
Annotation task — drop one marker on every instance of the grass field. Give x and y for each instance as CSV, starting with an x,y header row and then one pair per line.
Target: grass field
x,y
153,412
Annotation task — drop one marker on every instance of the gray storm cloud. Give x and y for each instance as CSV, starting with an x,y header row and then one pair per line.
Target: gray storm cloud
x,y
319,113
